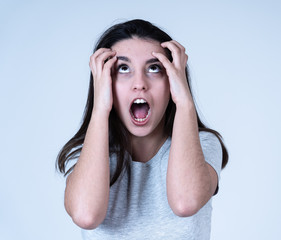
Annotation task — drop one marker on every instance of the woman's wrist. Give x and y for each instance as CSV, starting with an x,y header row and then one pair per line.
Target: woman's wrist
x,y
100,113
186,104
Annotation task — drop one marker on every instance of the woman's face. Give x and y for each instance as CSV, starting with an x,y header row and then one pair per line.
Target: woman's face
x,y
141,90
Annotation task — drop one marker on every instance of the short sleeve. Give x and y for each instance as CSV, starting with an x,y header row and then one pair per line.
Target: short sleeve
x,y
212,151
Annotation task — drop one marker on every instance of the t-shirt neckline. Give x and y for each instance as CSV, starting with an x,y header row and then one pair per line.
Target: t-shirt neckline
x,y
156,158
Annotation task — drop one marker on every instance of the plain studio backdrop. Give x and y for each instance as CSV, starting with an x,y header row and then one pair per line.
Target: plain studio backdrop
x,y
234,58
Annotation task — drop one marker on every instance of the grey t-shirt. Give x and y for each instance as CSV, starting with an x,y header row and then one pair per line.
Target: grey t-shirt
x,y
138,206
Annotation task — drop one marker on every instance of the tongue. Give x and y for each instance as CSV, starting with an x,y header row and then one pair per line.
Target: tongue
x,y
140,110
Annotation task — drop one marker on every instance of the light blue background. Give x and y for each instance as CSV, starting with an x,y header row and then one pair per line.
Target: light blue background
x,y
234,56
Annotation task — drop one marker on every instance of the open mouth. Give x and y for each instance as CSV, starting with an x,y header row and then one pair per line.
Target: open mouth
x,y
140,110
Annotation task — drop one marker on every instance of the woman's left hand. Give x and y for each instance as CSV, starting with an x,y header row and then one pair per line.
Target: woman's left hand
x,y
176,72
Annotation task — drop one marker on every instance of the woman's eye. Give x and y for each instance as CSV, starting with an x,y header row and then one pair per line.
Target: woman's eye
x,y
154,69
123,69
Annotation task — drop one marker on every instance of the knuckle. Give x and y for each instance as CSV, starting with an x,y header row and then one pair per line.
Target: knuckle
x,y
109,62
106,67
98,58
92,58
177,50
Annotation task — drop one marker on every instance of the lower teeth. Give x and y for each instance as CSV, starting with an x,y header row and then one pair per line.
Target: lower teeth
x,y
142,119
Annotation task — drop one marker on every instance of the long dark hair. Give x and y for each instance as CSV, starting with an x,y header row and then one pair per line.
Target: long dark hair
x,y
119,142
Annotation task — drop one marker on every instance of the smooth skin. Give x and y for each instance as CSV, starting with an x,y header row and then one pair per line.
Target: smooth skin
x,y
191,181
140,75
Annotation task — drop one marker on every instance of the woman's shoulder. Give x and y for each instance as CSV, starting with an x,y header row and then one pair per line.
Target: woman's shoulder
x,y
207,135
212,149
209,138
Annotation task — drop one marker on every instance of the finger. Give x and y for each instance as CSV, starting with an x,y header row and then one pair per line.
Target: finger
x,y
185,56
164,60
100,51
175,50
178,53
96,54
179,45
101,59
108,65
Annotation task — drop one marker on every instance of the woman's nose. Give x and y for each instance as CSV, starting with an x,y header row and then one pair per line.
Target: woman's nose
x,y
140,82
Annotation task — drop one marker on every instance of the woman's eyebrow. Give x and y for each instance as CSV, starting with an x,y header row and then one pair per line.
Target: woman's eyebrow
x,y
126,59
152,60
123,58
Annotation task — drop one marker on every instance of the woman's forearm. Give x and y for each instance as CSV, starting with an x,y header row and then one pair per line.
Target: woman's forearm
x,y
190,180
87,188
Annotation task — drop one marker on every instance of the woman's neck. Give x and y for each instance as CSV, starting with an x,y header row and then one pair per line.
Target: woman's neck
x,y
145,148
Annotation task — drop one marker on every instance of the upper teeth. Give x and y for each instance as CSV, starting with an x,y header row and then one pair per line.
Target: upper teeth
x,y
139,100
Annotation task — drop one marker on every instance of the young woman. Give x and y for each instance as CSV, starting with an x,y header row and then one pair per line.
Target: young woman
x,y
147,166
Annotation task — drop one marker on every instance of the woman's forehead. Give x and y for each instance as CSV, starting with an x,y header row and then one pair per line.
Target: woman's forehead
x,y
137,47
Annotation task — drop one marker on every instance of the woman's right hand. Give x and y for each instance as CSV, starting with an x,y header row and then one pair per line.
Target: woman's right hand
x,y
101,63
